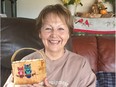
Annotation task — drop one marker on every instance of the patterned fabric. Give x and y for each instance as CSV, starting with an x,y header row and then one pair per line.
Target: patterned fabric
x,y
98,25
105,79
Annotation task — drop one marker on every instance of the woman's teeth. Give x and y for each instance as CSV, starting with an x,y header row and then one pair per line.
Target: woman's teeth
x,y
54,41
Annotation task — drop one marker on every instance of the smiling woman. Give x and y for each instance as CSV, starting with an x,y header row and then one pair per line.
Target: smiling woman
x,y
54,35
54,27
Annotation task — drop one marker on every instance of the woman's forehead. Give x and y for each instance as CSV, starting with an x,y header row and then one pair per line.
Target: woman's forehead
x,y
53,16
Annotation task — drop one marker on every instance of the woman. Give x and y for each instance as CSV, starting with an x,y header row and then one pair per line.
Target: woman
x,y
64,68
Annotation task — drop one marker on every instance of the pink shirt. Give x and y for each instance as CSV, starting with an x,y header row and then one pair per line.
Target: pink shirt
x,y
71,70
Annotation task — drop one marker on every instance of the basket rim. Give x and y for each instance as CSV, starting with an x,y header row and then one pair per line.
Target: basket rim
x,y
27,60
17,51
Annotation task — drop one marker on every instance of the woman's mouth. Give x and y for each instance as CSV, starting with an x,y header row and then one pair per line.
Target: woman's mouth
x,y
54,42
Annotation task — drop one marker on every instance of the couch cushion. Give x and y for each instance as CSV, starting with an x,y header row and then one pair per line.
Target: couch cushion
x,y
17,33
105,79
87,47
106,52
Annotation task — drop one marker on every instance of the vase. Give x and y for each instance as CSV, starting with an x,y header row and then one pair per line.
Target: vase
x,y
72,9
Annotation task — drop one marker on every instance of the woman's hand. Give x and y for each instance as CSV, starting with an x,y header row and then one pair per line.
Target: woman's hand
x,y
47,84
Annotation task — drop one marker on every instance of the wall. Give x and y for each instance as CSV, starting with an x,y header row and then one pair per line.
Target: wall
x,y
31,8
86,6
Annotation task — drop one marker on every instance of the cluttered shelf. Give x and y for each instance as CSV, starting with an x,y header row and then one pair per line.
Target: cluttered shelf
x,y
94,26
99,20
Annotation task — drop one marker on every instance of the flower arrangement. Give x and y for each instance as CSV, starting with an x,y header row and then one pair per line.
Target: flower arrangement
x,y
69,2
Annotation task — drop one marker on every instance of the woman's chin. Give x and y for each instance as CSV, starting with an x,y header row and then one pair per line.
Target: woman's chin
x,y
55,49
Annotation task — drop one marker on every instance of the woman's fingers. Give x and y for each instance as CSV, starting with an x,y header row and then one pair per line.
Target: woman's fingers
x,y
47,83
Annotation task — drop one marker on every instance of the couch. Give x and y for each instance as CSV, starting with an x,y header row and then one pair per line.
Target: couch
x,y
17,33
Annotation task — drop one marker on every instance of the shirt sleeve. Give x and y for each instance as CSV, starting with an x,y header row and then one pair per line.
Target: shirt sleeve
x,y
9,82
88,77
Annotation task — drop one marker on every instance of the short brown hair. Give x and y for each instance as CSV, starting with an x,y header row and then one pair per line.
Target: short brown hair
x,y
56,9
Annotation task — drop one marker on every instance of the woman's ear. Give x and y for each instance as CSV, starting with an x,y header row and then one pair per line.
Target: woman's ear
x,y
68,36
39,35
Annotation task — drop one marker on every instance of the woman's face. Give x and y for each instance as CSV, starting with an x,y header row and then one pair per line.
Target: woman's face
x,y
54,33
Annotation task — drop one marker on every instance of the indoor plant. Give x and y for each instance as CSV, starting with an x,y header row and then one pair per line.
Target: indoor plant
x,y
71,2
71,5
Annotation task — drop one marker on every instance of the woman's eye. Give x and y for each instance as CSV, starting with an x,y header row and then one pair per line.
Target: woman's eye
x,y
48,29
61,29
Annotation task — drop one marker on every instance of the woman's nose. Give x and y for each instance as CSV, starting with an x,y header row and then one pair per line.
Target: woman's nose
x,y
54,33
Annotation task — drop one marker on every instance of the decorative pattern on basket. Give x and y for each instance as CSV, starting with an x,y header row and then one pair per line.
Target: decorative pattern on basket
x,y
28,71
